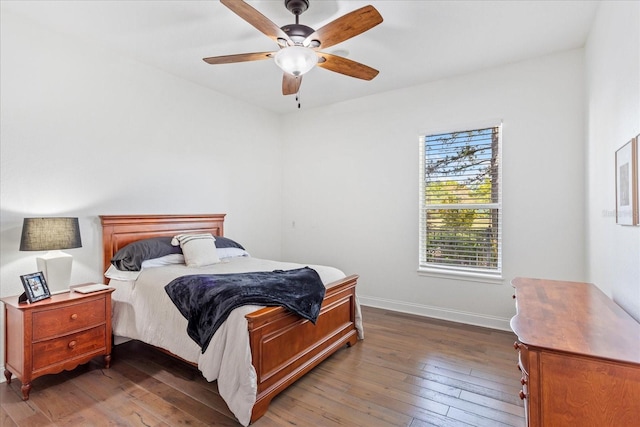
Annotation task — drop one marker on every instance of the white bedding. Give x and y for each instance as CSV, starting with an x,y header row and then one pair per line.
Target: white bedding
x,y
143,311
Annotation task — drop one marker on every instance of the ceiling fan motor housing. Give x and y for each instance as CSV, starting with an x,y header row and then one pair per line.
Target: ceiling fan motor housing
x,y
298,33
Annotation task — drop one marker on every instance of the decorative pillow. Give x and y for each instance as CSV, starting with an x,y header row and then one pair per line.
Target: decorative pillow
x,y
131,256
198,249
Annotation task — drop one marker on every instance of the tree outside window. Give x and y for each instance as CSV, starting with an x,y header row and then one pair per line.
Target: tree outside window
x,y
460,206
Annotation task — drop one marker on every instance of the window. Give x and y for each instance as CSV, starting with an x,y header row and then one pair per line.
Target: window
x,y
460,201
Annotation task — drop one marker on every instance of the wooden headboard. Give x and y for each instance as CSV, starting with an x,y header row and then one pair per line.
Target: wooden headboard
x,y
120,230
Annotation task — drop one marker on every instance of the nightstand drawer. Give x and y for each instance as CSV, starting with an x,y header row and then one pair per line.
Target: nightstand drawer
x,y
59,321
66,348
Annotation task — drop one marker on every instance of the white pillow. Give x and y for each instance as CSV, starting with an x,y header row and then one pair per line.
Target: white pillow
x,y
113,273
224,253
163,260
199,250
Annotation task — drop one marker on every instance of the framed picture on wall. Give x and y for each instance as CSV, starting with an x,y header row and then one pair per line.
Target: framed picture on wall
x,y
627,183
637,174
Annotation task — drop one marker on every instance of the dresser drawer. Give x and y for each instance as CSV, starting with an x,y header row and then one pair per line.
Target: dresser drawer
x,y
57,350
59,321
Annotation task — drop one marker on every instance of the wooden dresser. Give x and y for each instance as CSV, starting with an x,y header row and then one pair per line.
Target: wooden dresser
x,y
579,355
57,333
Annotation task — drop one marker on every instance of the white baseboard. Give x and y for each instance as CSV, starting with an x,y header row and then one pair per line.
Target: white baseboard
x,y
475,319
2,378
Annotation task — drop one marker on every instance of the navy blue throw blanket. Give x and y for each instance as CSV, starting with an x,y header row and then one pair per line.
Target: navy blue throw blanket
x,y
206,300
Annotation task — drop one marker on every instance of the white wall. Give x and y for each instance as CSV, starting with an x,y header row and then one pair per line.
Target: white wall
x,y
351,185
613,99
80,125
86,132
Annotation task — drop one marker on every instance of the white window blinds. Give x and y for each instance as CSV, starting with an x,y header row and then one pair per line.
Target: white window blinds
x,y
460,200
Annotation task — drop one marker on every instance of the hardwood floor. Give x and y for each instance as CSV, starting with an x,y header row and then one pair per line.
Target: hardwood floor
x,y
408,371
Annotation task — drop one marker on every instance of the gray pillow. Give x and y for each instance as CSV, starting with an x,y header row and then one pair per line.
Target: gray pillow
x,y
223,242
131,256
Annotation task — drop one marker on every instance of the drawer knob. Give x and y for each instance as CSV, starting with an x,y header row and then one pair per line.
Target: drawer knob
x,y
74,316
516,345
72,345
523,381
522,395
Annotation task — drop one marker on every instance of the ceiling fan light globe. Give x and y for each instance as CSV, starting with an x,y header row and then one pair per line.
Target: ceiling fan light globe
x,y
296,60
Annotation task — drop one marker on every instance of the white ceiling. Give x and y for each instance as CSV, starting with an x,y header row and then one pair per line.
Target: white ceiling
x,y
418,42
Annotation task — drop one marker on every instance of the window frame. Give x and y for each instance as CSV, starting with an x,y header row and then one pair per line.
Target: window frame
x,y
445,270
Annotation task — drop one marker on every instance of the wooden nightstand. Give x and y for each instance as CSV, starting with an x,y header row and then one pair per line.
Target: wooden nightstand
x,y
55,334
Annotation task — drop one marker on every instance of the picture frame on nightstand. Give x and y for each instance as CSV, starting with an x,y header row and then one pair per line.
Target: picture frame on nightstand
x,y
35,287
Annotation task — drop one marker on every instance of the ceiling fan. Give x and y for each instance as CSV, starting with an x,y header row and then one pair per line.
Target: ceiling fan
x,y
300,44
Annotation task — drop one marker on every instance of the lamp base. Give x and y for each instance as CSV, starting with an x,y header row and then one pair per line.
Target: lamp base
x,y
56,267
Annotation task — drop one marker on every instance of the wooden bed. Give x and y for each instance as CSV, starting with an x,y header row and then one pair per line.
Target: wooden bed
x,y
283,346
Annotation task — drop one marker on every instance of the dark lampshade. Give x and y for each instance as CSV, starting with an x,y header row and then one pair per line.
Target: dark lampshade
x,y
49,234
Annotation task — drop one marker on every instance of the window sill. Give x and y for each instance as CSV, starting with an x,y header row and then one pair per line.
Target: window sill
x,y
469,276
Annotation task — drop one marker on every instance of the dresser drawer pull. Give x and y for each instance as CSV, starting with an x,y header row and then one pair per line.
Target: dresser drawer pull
x,y
523,381
516,345
74,316
72,345
522,395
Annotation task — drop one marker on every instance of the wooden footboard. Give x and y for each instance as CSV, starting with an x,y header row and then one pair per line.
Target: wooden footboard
x,y
284,346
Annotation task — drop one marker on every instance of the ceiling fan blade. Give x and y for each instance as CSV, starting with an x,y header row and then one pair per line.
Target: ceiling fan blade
x,y
240,57
290,84
257,19
346,66
345,27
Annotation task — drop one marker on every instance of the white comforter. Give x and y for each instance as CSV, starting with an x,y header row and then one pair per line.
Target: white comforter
x,y
143,311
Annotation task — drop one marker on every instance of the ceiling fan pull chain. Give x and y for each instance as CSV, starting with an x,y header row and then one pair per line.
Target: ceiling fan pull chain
x,y
298,99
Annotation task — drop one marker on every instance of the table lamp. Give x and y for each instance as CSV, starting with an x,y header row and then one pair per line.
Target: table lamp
x,y
52,234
